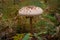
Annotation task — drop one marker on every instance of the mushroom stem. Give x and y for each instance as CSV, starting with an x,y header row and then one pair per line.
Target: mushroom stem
x,y
31,25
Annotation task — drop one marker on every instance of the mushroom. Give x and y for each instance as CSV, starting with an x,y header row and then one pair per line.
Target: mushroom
x,y
30,11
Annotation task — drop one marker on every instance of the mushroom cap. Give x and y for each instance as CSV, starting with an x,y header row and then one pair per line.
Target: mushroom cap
x,y
30,11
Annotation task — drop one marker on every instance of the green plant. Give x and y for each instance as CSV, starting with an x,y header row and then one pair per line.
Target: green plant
x,y
18,37
26,37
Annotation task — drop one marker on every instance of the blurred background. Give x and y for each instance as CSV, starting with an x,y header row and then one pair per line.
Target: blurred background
x,y
16,27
